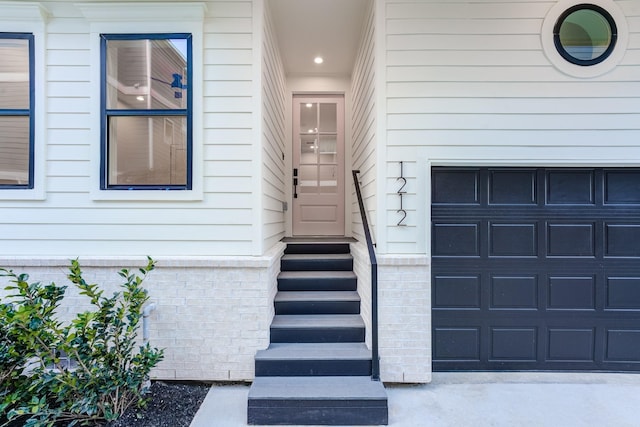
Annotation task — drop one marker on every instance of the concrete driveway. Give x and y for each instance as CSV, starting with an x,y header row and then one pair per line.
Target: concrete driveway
x,y
480,399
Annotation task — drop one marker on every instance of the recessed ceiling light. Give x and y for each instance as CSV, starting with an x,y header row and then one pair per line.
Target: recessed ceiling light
x,y
309,105
140,98
318,60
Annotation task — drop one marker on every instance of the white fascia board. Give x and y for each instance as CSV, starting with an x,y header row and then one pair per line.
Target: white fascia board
x,y
136,12
23,11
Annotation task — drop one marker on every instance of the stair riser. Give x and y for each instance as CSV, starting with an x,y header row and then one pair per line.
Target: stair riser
x,y
304,335
316,265
299,368
317,413
314,307
319,284
315,248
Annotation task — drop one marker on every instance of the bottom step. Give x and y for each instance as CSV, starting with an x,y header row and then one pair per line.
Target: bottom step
x,y
317,401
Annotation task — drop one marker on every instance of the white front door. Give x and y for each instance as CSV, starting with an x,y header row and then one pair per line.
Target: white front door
x,y
318,165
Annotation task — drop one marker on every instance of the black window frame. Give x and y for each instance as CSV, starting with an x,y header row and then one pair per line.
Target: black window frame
x,y
582,62
106,113
24,112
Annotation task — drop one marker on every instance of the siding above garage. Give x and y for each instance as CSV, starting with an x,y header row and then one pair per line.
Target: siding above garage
x,y
470,83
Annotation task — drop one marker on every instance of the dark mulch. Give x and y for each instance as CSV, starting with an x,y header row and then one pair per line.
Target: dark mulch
x,y
170,405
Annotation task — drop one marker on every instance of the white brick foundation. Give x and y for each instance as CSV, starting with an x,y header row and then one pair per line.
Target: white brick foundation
x,y
213,313
404,313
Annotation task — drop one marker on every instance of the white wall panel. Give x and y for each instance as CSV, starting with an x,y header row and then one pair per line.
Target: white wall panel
x,y
68,168
444,58
227,88
404,141
68,57
470,10
68,73
225,104
228,56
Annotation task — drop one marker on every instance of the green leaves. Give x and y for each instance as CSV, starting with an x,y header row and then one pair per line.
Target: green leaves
x,y
88,369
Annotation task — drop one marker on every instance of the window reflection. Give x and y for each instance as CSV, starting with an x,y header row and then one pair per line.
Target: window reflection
x,y
147,111
16,114
318,148
14,150
14,74
585,34
146,74
147,150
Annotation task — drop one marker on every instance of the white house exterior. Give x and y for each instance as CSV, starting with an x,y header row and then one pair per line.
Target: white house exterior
x,y
435,84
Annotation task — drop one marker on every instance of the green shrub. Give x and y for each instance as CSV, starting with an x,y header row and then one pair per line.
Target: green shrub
x,y
37,384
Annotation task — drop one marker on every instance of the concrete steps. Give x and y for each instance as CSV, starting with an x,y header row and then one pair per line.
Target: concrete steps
x,y
317,369
342,400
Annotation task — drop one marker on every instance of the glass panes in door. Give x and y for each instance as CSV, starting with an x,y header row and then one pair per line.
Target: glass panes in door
x,y
318,148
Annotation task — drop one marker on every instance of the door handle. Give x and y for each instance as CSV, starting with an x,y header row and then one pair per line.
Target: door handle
x,y
295,183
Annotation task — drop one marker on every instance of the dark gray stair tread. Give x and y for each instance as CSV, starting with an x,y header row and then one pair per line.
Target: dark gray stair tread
x,y
315,351
304,321
293,296
311,275
317,388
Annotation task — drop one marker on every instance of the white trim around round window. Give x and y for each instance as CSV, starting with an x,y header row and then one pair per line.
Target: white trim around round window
x,y
572,62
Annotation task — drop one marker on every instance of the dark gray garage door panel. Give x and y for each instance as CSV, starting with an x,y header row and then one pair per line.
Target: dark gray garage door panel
x,y
536,269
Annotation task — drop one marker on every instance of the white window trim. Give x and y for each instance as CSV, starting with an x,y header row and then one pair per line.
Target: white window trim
x,y
575,70
31,17
143,18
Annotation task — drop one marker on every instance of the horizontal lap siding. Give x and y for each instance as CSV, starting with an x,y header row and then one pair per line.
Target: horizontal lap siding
x,y
69,223
228,125
470,81
363,131
273,136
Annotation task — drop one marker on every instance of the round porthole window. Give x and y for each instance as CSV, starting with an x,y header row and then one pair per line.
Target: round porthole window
x,y
585,34
584,38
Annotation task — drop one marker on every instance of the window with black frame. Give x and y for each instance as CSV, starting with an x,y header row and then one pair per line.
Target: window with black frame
x,y
146,112
585,34
16,111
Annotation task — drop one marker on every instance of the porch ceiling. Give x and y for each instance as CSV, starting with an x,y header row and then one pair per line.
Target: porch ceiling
x,y
309,28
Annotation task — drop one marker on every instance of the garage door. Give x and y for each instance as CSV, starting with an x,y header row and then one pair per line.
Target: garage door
x,y
536,269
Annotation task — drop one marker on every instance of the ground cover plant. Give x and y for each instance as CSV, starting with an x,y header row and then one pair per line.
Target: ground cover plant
x,y
80,372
